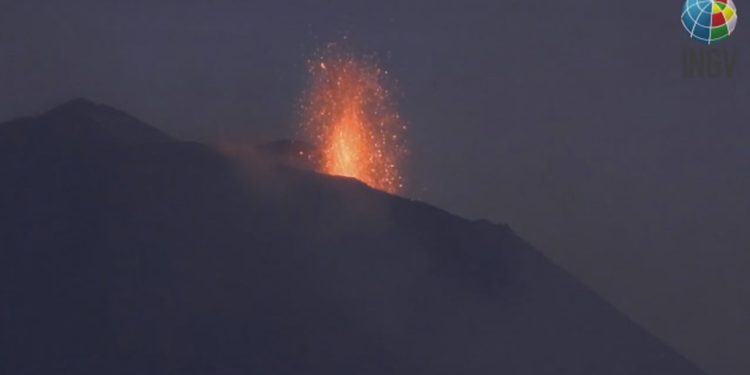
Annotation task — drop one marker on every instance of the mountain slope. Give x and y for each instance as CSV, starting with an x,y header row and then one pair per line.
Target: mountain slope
x,y
138,254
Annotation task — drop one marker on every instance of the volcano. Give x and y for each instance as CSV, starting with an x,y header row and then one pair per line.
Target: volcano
x,y
124,251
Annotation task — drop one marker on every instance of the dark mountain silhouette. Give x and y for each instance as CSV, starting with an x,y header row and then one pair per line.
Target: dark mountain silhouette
x,y
125,252
76,125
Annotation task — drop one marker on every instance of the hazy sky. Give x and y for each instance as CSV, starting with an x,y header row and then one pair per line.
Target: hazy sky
x,y
568,120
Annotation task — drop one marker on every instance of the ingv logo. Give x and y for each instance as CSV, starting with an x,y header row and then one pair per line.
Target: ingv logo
x,y
709,22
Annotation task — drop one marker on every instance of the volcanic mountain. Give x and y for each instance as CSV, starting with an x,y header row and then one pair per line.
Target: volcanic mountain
x,y
123,251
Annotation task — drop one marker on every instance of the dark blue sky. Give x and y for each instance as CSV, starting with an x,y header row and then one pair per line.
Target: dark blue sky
x,y
568,120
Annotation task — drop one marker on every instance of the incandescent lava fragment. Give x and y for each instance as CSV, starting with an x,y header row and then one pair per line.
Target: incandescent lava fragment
x,y
350,116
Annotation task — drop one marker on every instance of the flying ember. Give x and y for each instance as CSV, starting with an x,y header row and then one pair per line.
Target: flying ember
x,y
350,116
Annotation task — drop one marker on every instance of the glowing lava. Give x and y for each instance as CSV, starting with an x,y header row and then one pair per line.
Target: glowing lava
x,y
349,115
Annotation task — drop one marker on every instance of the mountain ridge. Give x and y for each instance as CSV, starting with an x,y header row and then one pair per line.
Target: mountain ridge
x,y
163,257
79,123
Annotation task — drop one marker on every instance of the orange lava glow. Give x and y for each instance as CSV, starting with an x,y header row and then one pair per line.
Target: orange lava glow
x,y
350,116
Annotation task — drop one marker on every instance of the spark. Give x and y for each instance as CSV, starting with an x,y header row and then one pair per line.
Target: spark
x,y
349,114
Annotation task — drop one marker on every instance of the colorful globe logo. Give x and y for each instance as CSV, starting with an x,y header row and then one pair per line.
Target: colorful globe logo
x,y
709,21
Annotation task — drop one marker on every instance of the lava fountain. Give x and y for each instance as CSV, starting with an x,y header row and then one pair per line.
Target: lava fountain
x,y
349,114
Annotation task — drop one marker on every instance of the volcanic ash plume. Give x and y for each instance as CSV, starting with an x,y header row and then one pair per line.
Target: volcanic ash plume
x,y
349,115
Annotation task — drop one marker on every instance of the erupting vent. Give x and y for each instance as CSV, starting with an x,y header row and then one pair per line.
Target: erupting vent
x,y
350,116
